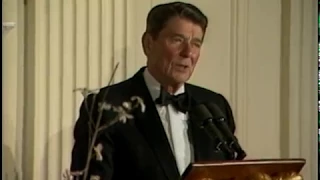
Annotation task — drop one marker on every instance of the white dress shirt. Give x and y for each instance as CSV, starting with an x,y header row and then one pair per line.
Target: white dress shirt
x,y
174,122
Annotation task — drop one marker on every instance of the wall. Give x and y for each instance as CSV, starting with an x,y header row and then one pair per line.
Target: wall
x,y
260,54
13,89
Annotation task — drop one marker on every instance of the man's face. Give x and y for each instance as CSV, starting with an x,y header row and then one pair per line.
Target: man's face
x,y
173,55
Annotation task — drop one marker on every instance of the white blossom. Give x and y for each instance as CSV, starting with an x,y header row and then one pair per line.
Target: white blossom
x,y
140,102
94,177
97,149
127,105
68,175
86,91
123,115
104,106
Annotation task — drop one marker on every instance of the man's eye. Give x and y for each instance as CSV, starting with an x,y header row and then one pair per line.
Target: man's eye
x,y
177,39
197,44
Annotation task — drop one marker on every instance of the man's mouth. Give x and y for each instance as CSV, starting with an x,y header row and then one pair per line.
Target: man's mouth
x,y
182,66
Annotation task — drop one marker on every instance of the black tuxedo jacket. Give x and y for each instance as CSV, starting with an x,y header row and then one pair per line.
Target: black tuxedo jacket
x,y
139,149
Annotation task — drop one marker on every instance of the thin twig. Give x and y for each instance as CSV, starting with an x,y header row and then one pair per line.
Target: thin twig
x,y
95,134
101,128
91,121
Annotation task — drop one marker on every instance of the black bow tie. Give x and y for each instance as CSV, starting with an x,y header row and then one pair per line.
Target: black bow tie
x,y
179,102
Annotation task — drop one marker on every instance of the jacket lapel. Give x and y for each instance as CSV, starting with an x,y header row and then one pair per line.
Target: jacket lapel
x,y
150,125
196,134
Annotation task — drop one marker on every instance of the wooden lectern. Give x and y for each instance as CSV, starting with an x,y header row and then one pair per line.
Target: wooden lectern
x,y
267,169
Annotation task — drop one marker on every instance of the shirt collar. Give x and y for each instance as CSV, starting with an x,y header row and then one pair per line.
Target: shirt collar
x,y
154,86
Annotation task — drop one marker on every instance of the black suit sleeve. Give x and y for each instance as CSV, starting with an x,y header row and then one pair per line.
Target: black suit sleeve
x,y
81,136
229,114
82,131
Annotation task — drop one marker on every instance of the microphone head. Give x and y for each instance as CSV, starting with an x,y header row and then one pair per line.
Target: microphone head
x,y
201,114
215,111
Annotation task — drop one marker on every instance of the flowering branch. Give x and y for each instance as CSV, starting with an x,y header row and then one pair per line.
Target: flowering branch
x,y
123,114
95,134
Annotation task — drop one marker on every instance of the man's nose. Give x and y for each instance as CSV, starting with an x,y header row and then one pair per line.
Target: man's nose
x,y
186,50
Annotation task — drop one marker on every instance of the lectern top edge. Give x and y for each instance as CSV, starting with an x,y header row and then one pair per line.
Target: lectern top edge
x,y
248,162
244,169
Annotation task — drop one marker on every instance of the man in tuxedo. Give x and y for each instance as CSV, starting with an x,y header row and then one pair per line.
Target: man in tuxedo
x,y
160,143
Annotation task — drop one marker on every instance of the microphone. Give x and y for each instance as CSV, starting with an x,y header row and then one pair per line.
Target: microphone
x,y
220,120
205,121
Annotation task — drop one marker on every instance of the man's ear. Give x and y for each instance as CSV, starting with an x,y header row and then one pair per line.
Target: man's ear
x,y
146,43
